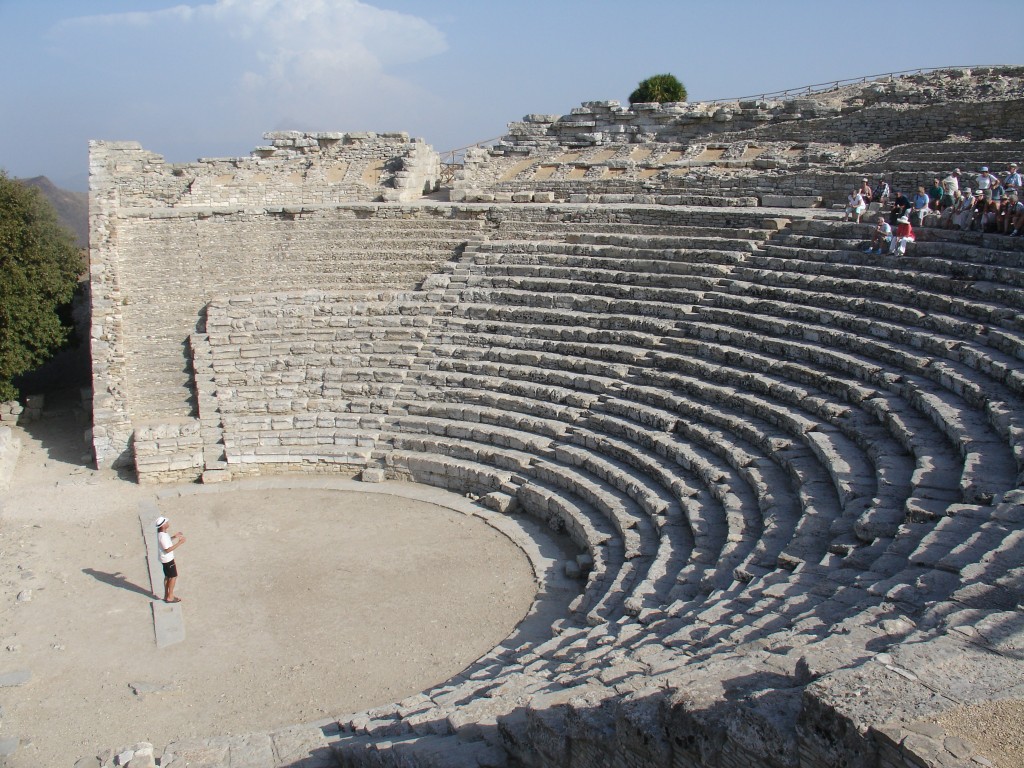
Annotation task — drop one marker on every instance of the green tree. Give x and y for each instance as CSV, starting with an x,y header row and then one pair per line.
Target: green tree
x,y
660,89
39,269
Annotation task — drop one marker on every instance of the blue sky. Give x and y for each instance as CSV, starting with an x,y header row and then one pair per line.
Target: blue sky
x,y
206,78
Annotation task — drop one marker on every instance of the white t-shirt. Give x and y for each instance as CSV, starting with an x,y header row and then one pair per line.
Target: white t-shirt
x,y
163,542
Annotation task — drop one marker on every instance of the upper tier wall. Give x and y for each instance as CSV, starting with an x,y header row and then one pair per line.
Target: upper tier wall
x,y
604,147
919,108
294,168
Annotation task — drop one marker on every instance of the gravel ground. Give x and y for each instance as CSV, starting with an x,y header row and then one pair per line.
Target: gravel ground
x,y
995,730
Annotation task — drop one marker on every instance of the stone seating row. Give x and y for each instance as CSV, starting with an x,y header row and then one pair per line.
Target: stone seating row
x,y
737,425
741,225
884,309
155,325
507,372
706,313
945,156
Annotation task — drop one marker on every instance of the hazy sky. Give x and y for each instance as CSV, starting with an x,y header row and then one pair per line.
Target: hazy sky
x,y
207,78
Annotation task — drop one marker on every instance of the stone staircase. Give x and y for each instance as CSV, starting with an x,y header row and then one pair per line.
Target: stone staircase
x,y
340,255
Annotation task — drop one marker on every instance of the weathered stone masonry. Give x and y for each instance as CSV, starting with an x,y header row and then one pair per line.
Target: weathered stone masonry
x,y
166,237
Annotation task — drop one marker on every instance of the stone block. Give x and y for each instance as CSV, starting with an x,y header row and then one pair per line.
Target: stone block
x,y
373,475
544,197
788,201
15,678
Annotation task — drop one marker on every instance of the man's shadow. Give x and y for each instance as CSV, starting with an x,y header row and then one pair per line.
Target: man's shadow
x,y
117,580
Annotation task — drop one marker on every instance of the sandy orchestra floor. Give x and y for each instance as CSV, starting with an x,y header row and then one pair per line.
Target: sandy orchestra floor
x,y
298,605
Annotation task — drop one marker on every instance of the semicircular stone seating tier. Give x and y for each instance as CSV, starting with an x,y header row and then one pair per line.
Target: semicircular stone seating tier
x,y
791,470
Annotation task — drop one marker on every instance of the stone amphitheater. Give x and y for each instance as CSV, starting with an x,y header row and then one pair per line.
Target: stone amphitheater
x,y
790,470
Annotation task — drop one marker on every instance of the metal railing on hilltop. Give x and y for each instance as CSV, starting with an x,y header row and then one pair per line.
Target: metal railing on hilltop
x,y
452,159
831,85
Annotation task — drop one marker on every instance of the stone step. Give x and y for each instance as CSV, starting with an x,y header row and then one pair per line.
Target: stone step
x,y
637,257
738,426
960,297
429,751
961,380
966,361
446,472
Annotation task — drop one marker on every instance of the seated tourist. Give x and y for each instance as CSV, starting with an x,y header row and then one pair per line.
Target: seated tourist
x,y
904,236
1009,209
880,194
881,236
920,206
900,206
855,206
981,202
1017,218
947,218
866,192
935,194
965,215
985,214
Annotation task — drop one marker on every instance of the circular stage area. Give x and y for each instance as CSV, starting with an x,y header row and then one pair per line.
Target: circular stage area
x,y
298,605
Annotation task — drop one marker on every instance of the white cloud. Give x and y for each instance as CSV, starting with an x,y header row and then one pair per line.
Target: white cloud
x,y
295,45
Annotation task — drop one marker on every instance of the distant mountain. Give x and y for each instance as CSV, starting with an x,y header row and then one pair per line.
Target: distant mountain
x,y
72,207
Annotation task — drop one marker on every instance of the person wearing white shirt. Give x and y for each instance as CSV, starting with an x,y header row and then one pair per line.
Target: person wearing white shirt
x,y
950,186
855,206
166,544
984,180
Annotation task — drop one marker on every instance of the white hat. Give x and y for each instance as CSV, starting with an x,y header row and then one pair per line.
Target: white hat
x,y
160,521
984,169
902,220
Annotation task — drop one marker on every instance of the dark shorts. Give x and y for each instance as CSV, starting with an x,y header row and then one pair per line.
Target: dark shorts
x,y
170,569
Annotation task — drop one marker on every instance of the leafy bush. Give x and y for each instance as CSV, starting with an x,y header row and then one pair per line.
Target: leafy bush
x,y
39,269
660,89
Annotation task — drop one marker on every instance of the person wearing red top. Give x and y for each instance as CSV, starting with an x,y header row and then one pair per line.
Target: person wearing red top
x,y
904,235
